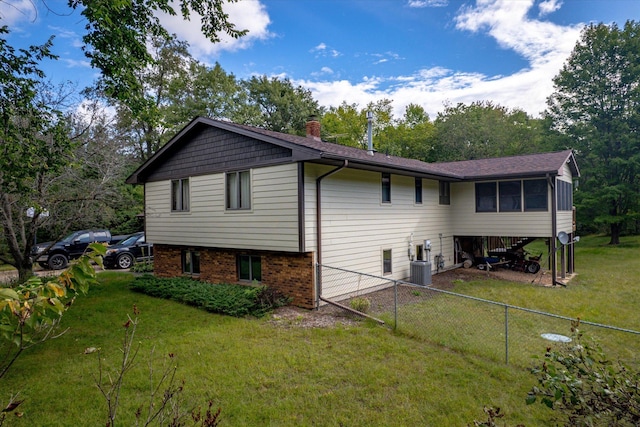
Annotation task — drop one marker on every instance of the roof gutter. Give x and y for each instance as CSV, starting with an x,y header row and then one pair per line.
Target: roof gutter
x,y
319,226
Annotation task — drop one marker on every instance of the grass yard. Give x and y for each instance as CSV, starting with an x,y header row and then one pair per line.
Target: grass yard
x,y
605,289
262,374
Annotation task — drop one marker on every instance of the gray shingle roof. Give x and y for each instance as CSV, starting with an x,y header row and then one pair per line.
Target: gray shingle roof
x,y
310,149
523,165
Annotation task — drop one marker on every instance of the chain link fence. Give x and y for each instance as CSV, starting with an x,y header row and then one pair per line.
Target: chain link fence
x,y
467,324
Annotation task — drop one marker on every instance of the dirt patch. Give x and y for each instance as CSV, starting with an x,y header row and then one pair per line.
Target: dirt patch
x,y
383,301
542,278
325,317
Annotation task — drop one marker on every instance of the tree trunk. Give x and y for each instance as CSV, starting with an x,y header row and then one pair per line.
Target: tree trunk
x,y
25,271
615,234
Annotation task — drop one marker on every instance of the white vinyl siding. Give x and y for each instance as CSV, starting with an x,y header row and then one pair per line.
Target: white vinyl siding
x,y
270,224
356,227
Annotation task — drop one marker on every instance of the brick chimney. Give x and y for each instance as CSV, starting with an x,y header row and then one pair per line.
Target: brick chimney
x,y
313,128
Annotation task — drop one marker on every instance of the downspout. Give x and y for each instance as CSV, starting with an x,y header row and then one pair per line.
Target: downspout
x,y
319,226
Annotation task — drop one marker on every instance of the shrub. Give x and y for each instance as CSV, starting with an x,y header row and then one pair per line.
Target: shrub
x,y
142,267
578,380
360,304
232,300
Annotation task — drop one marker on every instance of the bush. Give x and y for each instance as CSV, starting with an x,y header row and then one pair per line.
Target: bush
x,y
360,304
579,381
232,300
142,267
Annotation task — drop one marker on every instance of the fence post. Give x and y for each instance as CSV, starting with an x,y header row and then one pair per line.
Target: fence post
x,y
318,284
395,305
506,334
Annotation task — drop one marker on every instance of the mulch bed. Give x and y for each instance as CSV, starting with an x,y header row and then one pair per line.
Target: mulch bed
x,y
383,300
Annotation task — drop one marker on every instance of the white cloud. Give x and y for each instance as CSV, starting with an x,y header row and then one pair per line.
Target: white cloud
x,y
248,15
427,3
506,21
549,6
14,11
544,45
75,63
324,71
322,50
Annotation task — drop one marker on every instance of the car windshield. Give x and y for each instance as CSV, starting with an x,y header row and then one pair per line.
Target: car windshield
x,y
129,241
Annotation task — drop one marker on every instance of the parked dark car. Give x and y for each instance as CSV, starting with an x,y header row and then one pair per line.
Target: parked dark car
x,y
71,247
128,252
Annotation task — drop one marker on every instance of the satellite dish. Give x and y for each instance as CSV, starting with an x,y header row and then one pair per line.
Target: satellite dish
x,y
563,237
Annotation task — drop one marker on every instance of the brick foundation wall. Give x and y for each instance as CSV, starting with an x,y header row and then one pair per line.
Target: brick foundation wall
x,y
292,274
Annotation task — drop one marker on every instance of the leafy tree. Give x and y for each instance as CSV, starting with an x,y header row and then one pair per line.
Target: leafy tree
x,y
277,105
411,137
205,91
56,169
147,129
118,31
34,145
481,130
597,103
345,125
91,193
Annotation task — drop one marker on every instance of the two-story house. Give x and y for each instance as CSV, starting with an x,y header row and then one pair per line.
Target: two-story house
x,y
238,204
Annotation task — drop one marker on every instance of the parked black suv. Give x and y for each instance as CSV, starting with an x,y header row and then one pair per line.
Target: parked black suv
x,y
129,251
71,247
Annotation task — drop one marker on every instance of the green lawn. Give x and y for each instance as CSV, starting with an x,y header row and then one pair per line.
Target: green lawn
x,y
605,289
604,292
263,374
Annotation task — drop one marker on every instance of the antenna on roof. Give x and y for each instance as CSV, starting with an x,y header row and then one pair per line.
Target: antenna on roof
x,y
370,133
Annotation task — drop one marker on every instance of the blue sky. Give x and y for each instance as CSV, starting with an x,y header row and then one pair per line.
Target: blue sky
x,y
426,52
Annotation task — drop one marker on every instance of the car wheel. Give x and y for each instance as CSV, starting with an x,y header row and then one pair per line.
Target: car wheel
x,y
125,261
533,268
57,262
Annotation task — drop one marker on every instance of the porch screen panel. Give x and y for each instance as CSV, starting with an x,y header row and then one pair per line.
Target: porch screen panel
x,y
535,195
486,197
510,196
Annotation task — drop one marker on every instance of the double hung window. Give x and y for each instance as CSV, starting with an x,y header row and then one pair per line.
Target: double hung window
x,y
238,190
250,267
191,262
180,194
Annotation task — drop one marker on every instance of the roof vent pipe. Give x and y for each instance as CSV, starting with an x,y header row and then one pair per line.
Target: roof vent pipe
x,y
370,133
